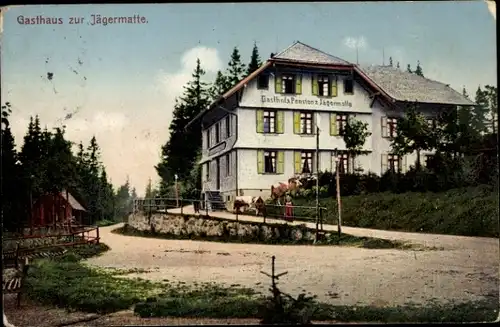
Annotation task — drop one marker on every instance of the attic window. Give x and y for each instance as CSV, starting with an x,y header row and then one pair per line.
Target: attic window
x,y
263,82
288,84
348,86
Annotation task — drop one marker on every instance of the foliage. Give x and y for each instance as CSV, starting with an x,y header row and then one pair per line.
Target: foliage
x,y
413,134
418,71
281,308
236,69
255,61
46,164
469,211
355,135
180,152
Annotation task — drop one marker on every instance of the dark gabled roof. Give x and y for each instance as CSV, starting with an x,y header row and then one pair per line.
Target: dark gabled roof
x,y
403,86
72,201
303,53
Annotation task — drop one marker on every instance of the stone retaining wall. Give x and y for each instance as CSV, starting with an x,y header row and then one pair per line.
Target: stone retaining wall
x,y
198,227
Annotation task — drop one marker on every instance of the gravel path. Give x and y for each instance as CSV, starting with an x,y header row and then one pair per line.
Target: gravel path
x,y
467,268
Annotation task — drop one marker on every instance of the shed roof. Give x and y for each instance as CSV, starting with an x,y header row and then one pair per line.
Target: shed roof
x,y
72,201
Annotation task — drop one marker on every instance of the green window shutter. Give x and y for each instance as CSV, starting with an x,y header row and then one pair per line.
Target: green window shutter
x,y
260,121
298,84
383,124
278,87
384,164
281,162
333,124
334,86
280,121
298,162
260,161
296,122
315,86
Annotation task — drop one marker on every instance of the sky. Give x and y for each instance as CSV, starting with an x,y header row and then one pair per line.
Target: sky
x,y
119,81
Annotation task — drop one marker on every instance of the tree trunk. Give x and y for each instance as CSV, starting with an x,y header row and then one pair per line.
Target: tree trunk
x,y
418,166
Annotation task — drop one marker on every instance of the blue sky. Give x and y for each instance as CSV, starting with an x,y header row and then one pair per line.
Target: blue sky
x,y
120,81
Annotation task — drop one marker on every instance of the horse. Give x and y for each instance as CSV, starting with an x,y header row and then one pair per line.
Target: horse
x,y
280,190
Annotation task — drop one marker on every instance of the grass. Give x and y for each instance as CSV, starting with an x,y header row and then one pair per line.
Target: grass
x,y
333,239
468,211
69,283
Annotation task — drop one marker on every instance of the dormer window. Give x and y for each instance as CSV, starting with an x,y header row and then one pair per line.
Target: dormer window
x,y
288,84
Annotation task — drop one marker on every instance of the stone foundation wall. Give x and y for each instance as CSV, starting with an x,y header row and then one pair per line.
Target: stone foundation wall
x,y
199,227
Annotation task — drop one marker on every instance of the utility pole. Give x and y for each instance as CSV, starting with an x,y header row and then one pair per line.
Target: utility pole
x,y
339,203
317,179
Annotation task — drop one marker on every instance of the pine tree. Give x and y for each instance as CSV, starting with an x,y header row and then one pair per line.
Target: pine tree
x,y
179,153
236,69
408,69
218,87
397,65
390,61
491,95
11,191
149,190
480,111
418,71
255,61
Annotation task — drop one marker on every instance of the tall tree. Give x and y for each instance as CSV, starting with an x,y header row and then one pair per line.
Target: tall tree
x,y
255,61
218,87
236,68
408,69
179,153
390,61
418,71
11,187
397,65
480,111
491,94
413,134
355,136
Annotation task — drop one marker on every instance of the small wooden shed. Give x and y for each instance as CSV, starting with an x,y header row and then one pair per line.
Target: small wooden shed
x,y
52,208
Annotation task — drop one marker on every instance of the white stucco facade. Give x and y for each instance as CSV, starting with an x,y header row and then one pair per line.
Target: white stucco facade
x,y
249,156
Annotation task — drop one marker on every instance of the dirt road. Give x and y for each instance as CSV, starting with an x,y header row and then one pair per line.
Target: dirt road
x,y
338,275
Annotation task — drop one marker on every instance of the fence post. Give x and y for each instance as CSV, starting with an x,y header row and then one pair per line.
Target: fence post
x,y
182,207
97,235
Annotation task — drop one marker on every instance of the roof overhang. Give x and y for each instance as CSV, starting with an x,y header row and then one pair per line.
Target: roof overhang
x,y
229,93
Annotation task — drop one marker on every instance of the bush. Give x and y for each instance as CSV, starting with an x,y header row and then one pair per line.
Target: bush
x,y
469,211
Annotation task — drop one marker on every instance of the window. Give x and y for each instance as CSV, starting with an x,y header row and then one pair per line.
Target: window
x,y
394,163
228,164
208,139
270,162
429,161
269,121
288,84
207,171
431,122
342,120
346,162
307,162
217,133
389,125
323,86
306,122
263,82
228,126
348,86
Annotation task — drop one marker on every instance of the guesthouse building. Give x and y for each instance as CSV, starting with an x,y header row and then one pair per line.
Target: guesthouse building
x,y
263,130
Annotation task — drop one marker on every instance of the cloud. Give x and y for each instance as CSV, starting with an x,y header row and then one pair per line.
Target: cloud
x,y
492,8
355,42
